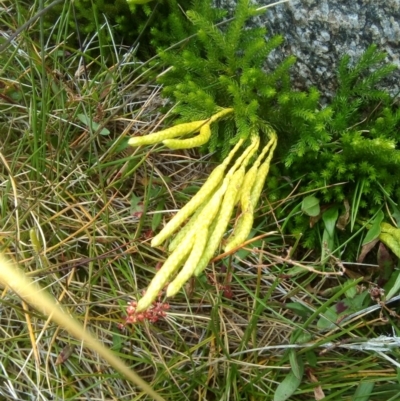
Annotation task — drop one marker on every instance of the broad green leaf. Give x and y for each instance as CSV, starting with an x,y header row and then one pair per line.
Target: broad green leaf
x,y
299,309
311,358
352,291
156,220
310,206
191,189
395,289
329,218
84,119
121,145
342,308
300,336
375,230
303,338
296,364
395,211
92,124
287,387
358,302
391,282
363,391
327,320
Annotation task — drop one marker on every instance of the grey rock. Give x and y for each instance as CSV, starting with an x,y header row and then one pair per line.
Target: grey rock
x,y
320,32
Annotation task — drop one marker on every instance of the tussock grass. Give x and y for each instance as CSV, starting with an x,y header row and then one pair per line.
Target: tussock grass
x,y
78,210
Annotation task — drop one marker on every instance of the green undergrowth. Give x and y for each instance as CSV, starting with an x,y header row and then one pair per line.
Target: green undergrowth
x,y
142,27
78,210
345,153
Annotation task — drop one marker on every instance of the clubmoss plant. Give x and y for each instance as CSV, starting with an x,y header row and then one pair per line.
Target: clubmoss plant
x,y
219,86
353,141
218,83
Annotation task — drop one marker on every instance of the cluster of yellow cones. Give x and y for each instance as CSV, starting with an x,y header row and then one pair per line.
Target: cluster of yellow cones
x,y
200,225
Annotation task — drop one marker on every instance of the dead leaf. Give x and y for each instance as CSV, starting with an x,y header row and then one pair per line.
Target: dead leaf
x,y
366,249
343,219
318,392
65,354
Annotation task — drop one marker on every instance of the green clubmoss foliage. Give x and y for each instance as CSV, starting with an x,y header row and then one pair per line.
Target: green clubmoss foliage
x,y
352,141
222,66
